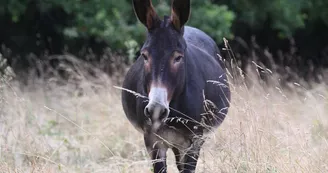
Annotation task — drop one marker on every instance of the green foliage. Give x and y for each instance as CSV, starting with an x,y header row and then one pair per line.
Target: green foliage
x,y
213,19
104,19
115,22
318,10
286,16
289,18
16,8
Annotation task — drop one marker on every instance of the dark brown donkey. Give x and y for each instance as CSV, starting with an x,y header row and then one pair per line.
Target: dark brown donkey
x,y
185,87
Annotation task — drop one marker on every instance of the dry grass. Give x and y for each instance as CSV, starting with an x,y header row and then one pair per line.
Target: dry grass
x,y
46,127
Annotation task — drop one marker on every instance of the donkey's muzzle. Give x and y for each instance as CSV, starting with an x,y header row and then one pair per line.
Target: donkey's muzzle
x,y
156,112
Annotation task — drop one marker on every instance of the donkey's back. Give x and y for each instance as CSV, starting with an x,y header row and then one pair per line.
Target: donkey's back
x,y
201,40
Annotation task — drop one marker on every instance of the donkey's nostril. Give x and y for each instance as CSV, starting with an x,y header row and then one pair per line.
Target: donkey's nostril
x,y
146,111
164,114
156,112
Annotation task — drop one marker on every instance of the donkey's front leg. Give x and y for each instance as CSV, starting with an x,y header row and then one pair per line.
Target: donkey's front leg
x,y
157,151
190,156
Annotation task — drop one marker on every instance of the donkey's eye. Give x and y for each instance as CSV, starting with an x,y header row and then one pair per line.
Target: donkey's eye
x,y
178,59
144,57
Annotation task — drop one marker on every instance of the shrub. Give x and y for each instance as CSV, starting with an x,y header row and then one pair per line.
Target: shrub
x,y
114,21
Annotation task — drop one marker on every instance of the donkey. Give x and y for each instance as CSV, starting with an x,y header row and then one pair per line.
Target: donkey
x,y
177,89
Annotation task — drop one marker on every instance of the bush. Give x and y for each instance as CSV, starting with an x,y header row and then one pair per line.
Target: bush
x,y
79,27
285,16
215,20
115,23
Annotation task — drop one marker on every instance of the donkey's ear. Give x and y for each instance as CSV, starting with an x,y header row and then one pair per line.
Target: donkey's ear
x,y
145,12
180,12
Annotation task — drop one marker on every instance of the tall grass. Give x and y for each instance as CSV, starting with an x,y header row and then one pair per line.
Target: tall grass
x,y
52,126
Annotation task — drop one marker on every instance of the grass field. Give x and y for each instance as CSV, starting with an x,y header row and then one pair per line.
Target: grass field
x,y
49,128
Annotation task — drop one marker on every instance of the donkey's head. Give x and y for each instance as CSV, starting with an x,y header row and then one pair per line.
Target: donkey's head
x,y
163,53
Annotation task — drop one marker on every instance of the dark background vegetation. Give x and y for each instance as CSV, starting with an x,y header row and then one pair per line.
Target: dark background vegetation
x,y
289,37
